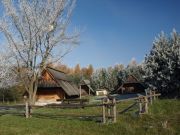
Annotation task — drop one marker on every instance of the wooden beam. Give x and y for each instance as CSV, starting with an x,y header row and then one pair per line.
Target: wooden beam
x,y
146,105
80,91
103,112
140,106
114,111
89,91
151,98
108,108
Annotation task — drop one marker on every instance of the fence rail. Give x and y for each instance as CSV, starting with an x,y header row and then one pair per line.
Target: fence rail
x,y
109,110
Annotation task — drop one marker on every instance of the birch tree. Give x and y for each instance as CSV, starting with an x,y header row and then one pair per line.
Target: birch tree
x,y
36,32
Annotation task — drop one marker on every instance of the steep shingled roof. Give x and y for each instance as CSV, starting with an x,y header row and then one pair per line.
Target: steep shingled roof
x,y
59,79
57,74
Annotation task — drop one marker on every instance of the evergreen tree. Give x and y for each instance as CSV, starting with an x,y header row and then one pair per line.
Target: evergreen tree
x,y
106,78
162,65
133,68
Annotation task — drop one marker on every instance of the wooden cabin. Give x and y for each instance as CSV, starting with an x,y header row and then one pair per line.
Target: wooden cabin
x,y
131,85
86,88
54,85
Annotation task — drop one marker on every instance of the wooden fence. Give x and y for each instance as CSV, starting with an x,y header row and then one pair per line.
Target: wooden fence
x,y
109,110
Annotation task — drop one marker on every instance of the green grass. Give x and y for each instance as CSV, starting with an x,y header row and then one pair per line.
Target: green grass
x,y
82,122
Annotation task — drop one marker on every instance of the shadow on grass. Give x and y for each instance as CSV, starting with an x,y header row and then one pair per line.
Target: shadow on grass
x,y
69,117
12,113
97,118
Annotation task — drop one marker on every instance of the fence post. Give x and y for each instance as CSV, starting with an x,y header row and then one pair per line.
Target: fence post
x,y
114,111
103,111
157,97
151,97
154,93
146,104
30,111
108,107
27,109
146,92
140,106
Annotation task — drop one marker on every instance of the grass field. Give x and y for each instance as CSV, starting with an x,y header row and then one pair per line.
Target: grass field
x,y
163,119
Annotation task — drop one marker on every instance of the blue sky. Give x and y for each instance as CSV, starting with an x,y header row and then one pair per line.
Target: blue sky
x,y
115,31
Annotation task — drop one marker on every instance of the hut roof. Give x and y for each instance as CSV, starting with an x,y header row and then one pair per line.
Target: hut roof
x,y
69,88
57,74
59,79
131,81
84,82
87,83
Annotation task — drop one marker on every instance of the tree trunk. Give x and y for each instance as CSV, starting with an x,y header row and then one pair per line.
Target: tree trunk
x,y
32,89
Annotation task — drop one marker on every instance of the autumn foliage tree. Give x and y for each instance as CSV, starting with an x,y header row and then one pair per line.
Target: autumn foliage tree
x,y
77,69
79,74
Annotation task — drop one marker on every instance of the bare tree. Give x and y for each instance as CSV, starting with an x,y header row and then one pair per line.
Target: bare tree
x,y
36,31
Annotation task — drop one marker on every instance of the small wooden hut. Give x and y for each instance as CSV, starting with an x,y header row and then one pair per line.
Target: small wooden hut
x,y
54,85
85,88
131,85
